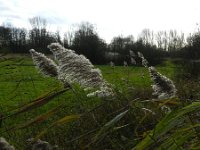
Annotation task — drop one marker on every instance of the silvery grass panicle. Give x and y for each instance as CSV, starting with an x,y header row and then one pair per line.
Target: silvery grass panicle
x,y
39,145
72,68
76,68
105,91
133,62
163,87
46,66
132,54
125,64
112,64
4,145
145,63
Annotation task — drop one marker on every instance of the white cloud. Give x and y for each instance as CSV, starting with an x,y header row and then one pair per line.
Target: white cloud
x,y
112,17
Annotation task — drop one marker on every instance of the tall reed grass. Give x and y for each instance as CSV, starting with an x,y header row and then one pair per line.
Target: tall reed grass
x,y
120,118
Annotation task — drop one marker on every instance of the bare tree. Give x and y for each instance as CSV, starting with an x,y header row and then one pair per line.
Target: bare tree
x,y
147,36
39,36
38,31
68,37
38,22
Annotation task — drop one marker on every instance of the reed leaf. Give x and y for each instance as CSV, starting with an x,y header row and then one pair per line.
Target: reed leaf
x,y
176,140
170,121
38,102
61,121
105,129
40,118
66,119
46,94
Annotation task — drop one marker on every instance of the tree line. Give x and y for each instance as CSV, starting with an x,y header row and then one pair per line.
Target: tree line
x,y
85,40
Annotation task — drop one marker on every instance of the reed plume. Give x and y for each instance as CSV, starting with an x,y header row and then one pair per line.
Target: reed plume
x,y
162,86
74,68
4,145
132,57
71,68
46,65
145,63
39,145
132,54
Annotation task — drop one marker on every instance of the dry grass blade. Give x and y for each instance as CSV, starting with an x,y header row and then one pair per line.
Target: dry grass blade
x,y
46,94
61,121
38,102
36,120
40,118
66,119
171,101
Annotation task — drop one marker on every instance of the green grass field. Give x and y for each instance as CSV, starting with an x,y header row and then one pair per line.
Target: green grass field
x,y
20,83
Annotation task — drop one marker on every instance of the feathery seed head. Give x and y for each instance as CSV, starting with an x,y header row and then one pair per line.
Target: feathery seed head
x,y
74,68
98,93
4,145
163,87
55,47
39,145
133,62
132,54
145,63
140,55
46,66
125,64
112,64
166,109
105,91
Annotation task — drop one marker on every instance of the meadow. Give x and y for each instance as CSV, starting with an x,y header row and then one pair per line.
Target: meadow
x,y
125,122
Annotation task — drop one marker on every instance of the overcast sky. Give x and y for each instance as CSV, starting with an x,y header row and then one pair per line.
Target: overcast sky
x,y
111,17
